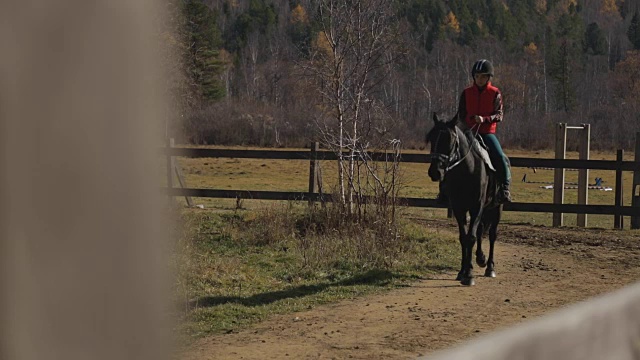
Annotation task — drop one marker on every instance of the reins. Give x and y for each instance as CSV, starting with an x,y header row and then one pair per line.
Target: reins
x,y
454,150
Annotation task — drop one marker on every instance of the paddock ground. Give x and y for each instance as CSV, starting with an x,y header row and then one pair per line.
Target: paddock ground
x,y
539,269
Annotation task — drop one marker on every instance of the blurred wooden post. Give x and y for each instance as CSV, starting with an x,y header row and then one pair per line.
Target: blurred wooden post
x,y
618,221
313,174
635,195
182,182
583,174
170,167
558,178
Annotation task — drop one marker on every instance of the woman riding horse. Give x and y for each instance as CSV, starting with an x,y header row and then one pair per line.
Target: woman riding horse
x,y
481,109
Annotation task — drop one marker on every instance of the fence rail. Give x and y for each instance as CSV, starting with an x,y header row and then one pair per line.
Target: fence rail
x,y
313,155
413,202
408,158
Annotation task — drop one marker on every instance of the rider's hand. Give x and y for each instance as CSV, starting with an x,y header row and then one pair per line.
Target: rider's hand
x,y
478,119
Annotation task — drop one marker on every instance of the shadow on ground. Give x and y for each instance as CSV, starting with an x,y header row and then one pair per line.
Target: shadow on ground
x,y
372,277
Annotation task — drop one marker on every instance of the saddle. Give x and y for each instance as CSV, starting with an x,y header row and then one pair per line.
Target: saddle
x,y
480,148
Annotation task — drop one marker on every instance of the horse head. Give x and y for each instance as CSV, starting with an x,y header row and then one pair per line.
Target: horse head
x,y
443,138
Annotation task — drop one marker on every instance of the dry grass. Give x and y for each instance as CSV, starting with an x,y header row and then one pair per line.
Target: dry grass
x,y
238,267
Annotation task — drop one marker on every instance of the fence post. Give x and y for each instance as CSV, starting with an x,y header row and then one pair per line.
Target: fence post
x,y
583,174
170,167
635,195
182,182
558,178
313,174
618,221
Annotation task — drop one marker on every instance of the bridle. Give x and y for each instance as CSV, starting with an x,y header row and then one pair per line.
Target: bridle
x,y
454,152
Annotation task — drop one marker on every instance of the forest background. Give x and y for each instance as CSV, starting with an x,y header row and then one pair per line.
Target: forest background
x,y
253,72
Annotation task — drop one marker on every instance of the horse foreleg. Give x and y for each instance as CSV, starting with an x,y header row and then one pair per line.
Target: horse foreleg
x,y
463,251
467,274
493,235
461,218
481,260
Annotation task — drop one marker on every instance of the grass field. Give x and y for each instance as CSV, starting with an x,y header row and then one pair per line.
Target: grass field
x,y
237,265
292,175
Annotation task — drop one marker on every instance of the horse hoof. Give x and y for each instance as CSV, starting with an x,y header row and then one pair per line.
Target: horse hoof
x,y
490,273
459,277
468,281
481,261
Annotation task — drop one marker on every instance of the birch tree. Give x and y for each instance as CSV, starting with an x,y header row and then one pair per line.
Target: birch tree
x,y
356,41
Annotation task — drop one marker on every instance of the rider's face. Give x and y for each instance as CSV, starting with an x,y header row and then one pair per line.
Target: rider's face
x,y
481,79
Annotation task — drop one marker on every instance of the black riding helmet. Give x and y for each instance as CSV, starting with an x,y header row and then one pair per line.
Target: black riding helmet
x,y
482,66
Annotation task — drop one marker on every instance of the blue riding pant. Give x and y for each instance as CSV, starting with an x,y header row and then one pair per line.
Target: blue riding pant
x,y
498,158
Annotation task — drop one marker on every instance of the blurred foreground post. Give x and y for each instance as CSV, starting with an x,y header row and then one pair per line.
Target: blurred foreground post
x,y
82,257
603,327
635,190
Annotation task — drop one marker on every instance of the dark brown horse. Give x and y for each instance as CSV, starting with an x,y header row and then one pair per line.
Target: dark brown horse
x,y
471,187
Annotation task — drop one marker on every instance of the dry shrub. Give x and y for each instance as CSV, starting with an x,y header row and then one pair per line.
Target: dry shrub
x,y
245,123
271,225
329,237
323,236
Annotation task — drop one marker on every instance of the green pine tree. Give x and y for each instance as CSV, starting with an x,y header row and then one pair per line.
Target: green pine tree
x,y
566,58
595,42
204,64
501,23
633,33
561,72
259,17
426,18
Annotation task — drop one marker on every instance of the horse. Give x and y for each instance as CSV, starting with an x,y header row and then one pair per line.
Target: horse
x,y
472,188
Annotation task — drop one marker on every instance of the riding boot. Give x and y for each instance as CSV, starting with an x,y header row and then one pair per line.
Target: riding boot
x,y
443,195
504,195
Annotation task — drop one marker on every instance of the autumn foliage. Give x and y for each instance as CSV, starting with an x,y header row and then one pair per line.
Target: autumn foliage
x,y
556,61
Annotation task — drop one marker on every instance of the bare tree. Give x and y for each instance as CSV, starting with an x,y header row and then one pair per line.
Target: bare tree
x,y
357,41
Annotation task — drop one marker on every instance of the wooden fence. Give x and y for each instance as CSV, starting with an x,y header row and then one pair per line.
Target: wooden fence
x,y
313,155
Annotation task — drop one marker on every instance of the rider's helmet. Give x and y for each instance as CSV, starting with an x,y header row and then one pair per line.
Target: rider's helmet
x,y
482,66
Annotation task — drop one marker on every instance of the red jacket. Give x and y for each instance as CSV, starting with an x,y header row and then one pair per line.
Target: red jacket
x,y
486,103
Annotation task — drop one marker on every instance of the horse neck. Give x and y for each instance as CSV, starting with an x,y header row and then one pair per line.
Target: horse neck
x,y
463,142
470,162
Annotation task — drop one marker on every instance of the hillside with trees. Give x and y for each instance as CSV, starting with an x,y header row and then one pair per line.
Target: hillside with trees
x,y
287,72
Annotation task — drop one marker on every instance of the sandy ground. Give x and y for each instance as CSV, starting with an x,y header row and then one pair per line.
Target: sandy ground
x,y
538,270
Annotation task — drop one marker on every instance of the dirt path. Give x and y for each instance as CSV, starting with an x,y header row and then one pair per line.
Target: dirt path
x,y
564,266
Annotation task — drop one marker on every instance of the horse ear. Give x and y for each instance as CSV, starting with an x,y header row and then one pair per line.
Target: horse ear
x,y
453,121
435,118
